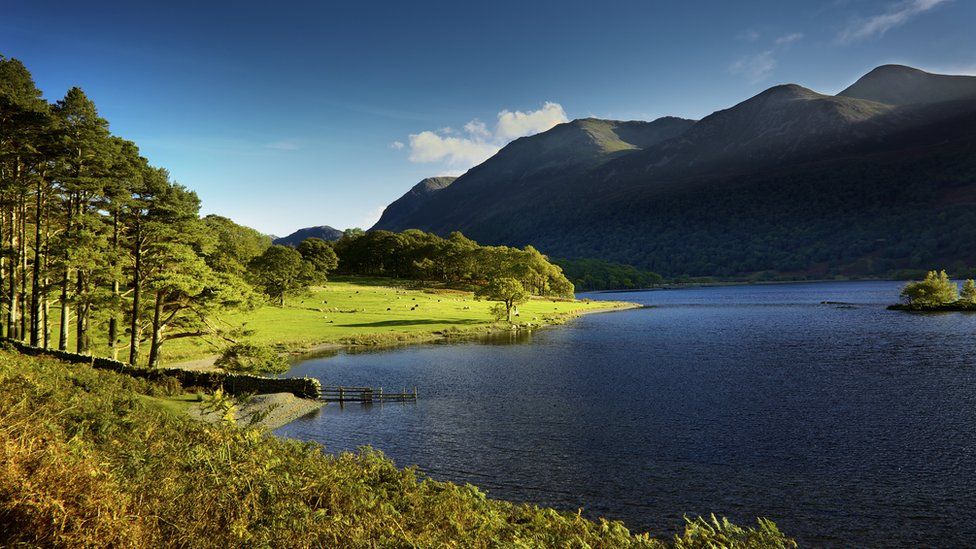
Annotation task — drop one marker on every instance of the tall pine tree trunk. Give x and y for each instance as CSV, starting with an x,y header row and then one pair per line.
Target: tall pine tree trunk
x,y
22,329
3,259
136,296
81,316
35,306
12,298
47,320
157,331
83,305
113,321
65,284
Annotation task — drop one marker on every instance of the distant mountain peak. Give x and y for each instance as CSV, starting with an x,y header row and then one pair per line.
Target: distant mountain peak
x,y
415,198
433,184
900,85
324,232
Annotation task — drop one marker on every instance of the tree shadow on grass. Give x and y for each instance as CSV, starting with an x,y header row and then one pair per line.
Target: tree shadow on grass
x,y
418,322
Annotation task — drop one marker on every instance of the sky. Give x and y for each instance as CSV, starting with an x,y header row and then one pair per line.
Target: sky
x,y
290,114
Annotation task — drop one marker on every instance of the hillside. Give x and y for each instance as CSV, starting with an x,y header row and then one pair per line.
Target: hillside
x,y
528,168
416,197
324,232
900,85
790,182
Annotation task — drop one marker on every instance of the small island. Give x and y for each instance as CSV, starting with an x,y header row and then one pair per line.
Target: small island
x,y
937,293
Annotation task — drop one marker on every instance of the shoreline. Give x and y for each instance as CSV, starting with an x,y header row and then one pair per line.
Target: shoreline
x,y
688,285
284,408
206,364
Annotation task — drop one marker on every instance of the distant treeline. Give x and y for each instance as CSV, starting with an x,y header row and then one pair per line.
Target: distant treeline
x,y
597,274
417,255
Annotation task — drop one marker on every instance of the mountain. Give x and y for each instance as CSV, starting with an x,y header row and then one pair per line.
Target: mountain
x,y
900,85
418,195
324,232
790,182
526,167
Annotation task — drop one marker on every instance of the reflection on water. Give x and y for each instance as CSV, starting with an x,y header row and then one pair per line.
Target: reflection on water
x,y
846,424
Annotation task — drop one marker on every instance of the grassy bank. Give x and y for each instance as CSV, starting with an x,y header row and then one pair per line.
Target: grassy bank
x,y
86,459
365,311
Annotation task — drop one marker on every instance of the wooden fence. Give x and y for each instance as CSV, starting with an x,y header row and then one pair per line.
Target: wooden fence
x,y
339,393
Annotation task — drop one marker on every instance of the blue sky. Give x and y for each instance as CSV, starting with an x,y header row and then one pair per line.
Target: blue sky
x,y
288,114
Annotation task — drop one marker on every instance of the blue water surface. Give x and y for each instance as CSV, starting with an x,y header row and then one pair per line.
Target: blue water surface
x,y
846,424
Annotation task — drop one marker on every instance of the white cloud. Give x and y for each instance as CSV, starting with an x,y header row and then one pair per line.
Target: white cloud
x,y
758,66
371,217
397,145
755,67
478,143
429,146
512,125
898,14
477,129
748,35
789,38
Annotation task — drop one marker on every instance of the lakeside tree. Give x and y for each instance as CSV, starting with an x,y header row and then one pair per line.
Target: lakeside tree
x,y
968,294
320,255
936,289
508,291
281,270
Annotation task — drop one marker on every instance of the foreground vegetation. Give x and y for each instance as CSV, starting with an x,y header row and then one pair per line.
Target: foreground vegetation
x,y
87,460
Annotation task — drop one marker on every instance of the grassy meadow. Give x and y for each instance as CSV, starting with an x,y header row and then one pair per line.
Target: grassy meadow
x,y
377,311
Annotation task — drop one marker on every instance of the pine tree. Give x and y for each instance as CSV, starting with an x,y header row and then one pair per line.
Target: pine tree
x,y
968,294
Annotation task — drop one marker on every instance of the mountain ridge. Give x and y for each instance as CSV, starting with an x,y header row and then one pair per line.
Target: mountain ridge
x,y
324,232
576,192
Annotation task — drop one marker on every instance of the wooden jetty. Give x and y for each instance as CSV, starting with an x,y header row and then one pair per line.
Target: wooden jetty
x,y
340,393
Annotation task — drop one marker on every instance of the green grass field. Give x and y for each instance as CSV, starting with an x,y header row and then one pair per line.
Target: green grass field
x,y
377,312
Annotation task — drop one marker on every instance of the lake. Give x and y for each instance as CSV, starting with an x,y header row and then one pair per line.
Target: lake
x,y
845,424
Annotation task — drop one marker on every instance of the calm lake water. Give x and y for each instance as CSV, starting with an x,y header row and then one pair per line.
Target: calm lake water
x,y
847,425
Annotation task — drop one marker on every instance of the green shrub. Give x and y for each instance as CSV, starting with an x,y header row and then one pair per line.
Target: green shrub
x,y
968,294
252,358
722,533
936,289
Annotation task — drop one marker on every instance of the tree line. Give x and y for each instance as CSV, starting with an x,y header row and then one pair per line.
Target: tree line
x,y
417,255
